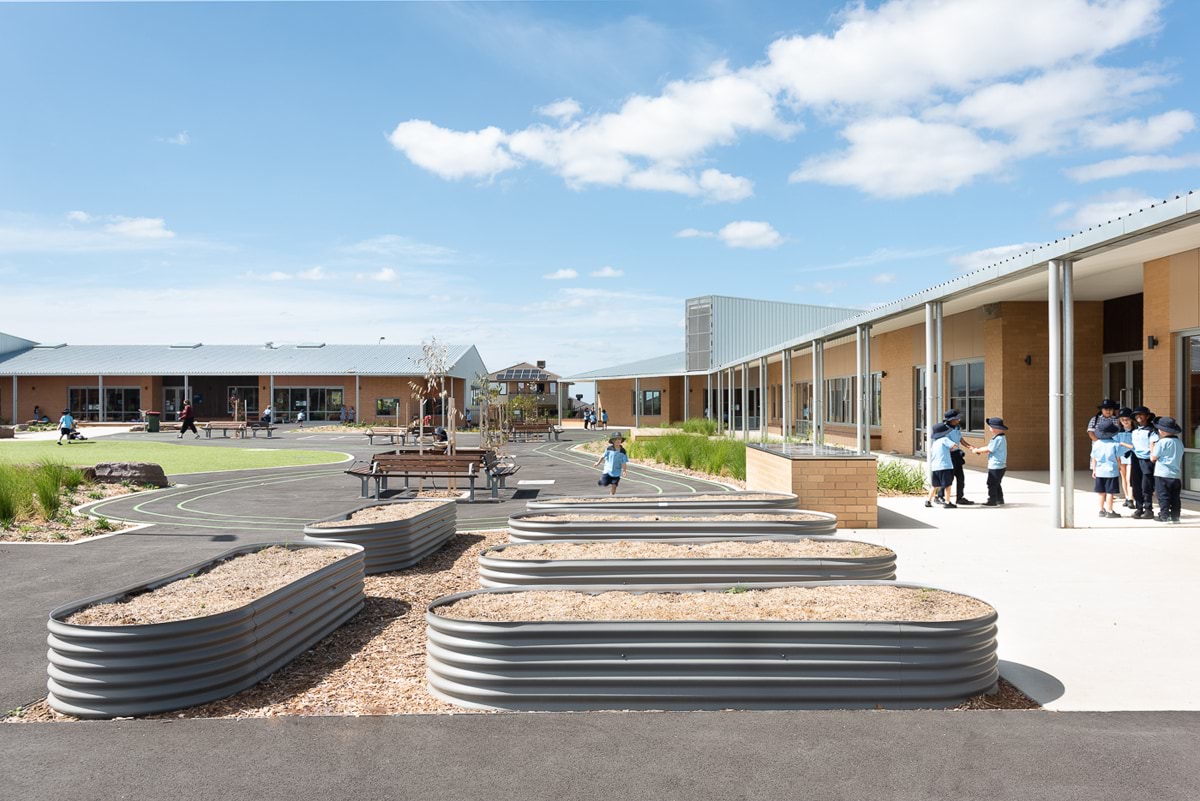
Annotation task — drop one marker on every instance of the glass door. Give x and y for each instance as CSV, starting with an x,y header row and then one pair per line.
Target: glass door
x,y
1123,378
1189,419
173,398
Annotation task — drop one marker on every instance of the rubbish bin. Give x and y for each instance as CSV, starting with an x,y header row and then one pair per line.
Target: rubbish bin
x,y
152,426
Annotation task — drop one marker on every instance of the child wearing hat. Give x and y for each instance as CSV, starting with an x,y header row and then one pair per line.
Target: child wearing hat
x,y
65,424
1167,455
615,460
941,465
1106,411
1105,470
1141,469
1124,436
997,450
953,419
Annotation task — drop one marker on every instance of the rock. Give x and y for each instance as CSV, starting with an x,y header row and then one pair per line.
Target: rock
x,y
7,432
137,472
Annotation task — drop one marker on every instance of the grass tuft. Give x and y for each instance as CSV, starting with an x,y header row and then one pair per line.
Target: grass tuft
x,y
897,478
715,457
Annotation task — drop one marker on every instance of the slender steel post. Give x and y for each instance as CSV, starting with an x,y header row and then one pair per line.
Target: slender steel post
x,y
357,397
15,418
100,379
763,408
745,401
187,394
812,401
731,389
687,395
785,392
858,386
708,396
869,397
271,400
1054,336
940,364
1068,388
637,402
819,395
930,397
720,403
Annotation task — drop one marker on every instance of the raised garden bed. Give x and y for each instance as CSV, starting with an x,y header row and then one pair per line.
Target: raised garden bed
x,y
395,534
610,524
838,645
110,669
714,501
696,564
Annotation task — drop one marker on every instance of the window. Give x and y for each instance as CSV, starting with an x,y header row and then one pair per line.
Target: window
x,y
247,395
966,393
651,402
386,407
839,400
876,398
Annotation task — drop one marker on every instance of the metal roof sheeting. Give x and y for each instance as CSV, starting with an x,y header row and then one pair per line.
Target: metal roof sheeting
x,y
670,364
741,326
233,360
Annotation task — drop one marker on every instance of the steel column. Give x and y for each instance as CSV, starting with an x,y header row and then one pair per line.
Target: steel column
x,y
812,401
819,394
930,396
15,418
708,396
1068,387
357,400
100,391
785,393
1054,336
687,395
731,389
763,407
187,393
720,403
940,383
745,401
858,385
869,395
637,402
271,400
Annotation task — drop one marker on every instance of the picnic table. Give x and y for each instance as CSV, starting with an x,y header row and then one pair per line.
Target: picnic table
x,y
468,464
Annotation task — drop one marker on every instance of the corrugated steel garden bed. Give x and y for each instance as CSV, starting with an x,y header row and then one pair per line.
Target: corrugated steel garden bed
x,y
541,526
396,544
727,501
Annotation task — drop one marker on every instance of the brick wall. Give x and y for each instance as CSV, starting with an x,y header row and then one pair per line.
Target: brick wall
x,y
1159,387
616,396
847,488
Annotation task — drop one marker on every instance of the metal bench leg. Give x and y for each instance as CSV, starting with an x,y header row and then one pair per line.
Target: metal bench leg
x,y
376,489
471,497
364,493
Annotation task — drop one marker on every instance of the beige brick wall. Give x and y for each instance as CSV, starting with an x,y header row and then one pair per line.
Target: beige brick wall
x,y
616,396
847,488
1159,379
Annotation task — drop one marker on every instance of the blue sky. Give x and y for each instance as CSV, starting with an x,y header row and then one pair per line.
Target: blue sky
x,y
551,180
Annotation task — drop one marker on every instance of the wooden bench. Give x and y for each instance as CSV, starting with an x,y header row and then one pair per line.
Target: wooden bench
x,y
237,428
391,432
498,469
525,431
254,426
409,465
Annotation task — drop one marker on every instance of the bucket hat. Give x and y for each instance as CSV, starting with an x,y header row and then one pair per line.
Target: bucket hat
x,y
1108,403
952,414
997,423
616,436
1143,410
940,430
1125,412
1106,429
1168,424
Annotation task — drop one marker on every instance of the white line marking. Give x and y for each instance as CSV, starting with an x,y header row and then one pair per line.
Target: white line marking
x,y
537,481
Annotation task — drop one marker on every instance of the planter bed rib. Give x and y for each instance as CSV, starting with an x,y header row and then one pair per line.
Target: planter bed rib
x,y
503,566
740,501
117,671
395,544
575,665
546,527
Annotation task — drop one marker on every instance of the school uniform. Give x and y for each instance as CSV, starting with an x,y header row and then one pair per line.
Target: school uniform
x,y
1168,477
1108,475
1141,469
997,448
1125,460
957,457
941,463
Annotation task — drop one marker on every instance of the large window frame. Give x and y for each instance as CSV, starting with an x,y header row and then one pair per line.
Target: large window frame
x,y
652,403
841,400
968,397
248,394
1187,402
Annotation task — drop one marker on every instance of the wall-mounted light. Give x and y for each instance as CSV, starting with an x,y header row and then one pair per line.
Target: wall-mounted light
x,y
1151,342
883,373
1028,360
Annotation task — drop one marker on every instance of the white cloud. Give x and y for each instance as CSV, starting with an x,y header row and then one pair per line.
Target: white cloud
x,y
1153,133
607,272
720,187
750,234
1109,206
901,156
79,216
975,259
317,273
453,154
883,278
384,275
694,233
562,110
561,274
1061,208
139,228
401,247
885,255
1128,165
182,138
86,233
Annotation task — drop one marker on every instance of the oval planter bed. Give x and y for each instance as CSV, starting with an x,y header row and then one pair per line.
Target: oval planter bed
x,y
696,564
710,502
395,534
859,645
107,661
612,524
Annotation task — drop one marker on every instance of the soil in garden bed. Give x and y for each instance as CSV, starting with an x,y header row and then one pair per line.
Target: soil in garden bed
x,y
386,513
70,527
226,586
825,603
715,496
632,549
678,517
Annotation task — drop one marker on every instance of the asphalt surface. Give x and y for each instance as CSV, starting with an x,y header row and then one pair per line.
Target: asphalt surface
x,y
728,756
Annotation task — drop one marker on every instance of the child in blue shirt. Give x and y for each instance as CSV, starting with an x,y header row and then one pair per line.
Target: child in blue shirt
x,y
65,424
1141,472
1125,436
997,450
615,460
1167,455
941,464
1105,469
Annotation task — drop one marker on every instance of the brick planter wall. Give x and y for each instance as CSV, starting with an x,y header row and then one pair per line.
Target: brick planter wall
x,y
842,485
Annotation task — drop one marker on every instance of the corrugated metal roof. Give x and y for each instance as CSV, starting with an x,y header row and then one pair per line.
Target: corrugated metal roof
x,y
670,364
233,360
741,326
11,344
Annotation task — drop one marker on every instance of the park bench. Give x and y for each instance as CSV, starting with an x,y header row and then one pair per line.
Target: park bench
x,y
391,432
239,429
498,469
410,464
254,426
526,431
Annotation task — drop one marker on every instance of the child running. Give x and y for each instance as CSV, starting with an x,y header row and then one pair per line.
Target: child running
x,y
615,461
941,465
65,424
1167,456
997,451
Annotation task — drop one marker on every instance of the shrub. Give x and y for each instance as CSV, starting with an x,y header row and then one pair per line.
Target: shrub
x,y
897,478
715,457
699,425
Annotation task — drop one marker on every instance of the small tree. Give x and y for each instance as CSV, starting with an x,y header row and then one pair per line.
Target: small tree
x,y
525,405
435,359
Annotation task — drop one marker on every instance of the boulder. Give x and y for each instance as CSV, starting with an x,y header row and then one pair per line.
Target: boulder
x,y
137,472
7,432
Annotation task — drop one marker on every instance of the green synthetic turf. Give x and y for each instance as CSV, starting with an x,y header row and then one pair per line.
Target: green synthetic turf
x,y
173,458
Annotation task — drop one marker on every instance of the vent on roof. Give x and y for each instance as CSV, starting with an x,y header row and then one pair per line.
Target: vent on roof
x,y
187,345
311,345
49,345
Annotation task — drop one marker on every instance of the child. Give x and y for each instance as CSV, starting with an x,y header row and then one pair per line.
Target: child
x,y
1105,454
1125,436
300,418
941,465
1167,455
1141,473
615,460
65,424
997,451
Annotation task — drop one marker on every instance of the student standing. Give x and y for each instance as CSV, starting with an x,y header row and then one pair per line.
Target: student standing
x,y
997,450
65,424
1107,410
1125,437
615,461
1167,456
941,465
187,419
1141,469
1105,455
953,419
604,419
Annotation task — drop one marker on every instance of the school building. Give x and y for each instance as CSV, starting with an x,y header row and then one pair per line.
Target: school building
x,y
1038,339
113,383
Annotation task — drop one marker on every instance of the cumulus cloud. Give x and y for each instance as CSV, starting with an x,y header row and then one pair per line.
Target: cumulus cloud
x,y
1129,165
402,247
86,233
561,274
139,228
453,155
1153,133
694,233
975,259
1105,207
182,138
750,234
607,272
562,110
79,216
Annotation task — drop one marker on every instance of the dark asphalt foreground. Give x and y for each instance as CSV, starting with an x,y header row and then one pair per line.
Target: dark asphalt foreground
x,y
855,756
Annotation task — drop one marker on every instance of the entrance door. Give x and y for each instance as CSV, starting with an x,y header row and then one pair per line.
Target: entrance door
x,y
1189,418
173,398
1123,378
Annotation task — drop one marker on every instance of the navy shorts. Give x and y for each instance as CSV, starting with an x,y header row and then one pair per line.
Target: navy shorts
x,y
942,478
1109,486
607,480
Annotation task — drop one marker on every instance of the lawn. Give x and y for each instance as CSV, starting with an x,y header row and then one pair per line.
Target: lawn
x,y
174,459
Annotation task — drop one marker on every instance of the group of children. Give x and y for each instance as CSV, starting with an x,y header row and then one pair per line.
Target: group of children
x,y
591,421
1135,455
